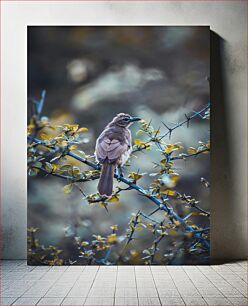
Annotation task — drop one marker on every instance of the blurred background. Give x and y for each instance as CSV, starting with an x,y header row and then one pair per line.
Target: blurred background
x,y
91,74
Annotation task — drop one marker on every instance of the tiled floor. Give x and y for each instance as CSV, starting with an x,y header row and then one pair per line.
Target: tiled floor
x,y
123,285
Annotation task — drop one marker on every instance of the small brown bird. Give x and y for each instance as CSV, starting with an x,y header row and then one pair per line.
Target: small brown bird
x,y
113,148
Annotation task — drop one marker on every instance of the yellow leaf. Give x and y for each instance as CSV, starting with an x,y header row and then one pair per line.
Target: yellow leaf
x,y
30,128
71,127
137,142
114,227
114,198
134,253
135,176
103,204
169,192
68,188
82,129
163,161
65,167
32,229
178,146
174,177
112,238
44,136
48,167
156,132
172,232
168,148
73,147
54,167
99,238
139,132
191,150
189,234
177,223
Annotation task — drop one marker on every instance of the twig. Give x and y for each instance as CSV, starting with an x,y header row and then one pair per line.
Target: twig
x,y
66,177
149,218
192,203
189,155
188,118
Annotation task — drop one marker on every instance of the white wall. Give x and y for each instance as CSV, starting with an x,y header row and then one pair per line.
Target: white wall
x,y
229,98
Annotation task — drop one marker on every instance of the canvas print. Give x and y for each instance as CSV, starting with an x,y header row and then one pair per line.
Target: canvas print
x,y
118,145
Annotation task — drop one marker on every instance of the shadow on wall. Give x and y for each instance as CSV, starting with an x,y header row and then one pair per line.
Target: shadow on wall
x,y
223,219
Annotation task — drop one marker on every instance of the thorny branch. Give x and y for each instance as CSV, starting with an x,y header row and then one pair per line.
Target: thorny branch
x,y
128,182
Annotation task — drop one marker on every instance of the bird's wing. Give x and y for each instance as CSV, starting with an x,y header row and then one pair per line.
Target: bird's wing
x,y
111,149
100,151
116,152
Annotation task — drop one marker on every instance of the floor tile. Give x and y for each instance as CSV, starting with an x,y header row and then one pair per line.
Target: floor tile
x,y
79,291
5,301
171,301
217,301
120,301
229,291
126,292
194,301
239,301
210,292
75,269
126,284
13,292
50,301
149,301
58,291
26,301
102,292
99,301
38,290
164,292
73,301
147,292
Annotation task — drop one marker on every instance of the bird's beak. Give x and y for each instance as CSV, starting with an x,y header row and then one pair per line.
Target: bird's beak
x,y
134,119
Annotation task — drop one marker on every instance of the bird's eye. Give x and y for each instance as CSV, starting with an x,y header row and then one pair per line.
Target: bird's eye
x,y
126,119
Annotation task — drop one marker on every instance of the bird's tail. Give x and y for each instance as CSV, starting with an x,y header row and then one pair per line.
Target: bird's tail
x,y
105,185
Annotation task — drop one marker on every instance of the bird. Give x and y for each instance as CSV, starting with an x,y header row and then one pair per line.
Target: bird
x,y
113,148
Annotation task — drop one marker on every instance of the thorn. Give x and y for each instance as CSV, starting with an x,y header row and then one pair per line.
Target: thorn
x,y
166,126
158,130
154,211
198,114
149,123
169,131
105,206
188,119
